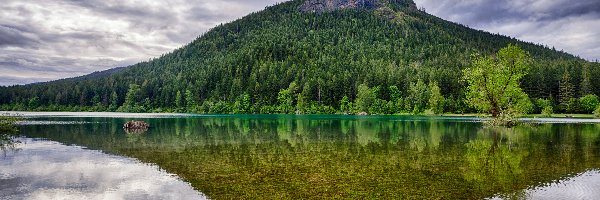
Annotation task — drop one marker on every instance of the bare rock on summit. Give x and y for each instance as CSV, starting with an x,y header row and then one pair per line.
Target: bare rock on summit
x,y
331,5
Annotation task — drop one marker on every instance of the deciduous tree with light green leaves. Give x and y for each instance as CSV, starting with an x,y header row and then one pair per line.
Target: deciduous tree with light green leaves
x,y
589,103
345,105
494,82
418,96
436,100
365,98
286,101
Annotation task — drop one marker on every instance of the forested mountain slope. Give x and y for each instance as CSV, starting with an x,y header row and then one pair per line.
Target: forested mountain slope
x,y
387,58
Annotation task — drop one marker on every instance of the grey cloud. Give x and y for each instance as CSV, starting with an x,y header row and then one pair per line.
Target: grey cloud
x,y
484,11
119,9
142,17
202,13
558,9
564,24
25,70
11,80
11,36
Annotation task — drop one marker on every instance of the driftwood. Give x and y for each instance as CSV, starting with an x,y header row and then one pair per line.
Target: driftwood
x,y
362,114
136,127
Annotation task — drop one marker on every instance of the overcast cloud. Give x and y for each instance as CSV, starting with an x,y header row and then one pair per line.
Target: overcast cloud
x,y
572,26
47,40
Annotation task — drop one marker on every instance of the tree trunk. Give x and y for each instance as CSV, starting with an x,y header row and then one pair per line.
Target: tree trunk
x,y
495,112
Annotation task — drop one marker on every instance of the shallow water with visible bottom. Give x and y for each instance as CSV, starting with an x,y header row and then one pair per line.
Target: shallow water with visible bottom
x,y
299,157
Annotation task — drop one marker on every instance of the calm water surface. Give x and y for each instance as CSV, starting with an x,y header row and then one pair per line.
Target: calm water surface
x,y
299,157
40,169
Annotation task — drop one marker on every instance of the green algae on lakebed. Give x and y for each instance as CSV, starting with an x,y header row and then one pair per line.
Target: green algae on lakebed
x,y
308,157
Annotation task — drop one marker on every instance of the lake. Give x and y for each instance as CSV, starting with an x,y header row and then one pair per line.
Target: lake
x,y
304,157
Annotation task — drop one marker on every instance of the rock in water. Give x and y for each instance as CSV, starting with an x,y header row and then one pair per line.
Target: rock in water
x,y
331,5
136,127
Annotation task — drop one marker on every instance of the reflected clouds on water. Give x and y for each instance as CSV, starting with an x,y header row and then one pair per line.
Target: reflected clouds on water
x,y
50,170
582,186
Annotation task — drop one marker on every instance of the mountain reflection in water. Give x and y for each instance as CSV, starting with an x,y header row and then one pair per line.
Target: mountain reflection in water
x,y
375,157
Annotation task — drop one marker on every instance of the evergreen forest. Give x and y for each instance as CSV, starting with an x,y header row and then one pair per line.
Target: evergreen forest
x,y
389,60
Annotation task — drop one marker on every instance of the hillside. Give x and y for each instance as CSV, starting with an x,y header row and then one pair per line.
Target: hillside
x,y
309,56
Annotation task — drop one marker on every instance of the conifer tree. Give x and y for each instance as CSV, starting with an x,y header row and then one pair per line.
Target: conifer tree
x,y
566,91
586,85
179,100
190,101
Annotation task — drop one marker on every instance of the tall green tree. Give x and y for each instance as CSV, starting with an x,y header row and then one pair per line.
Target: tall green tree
x,y
285,100
395,93
436,100
586,85
395,103
494,82
179,100
345,105
34,102
418,97
132,99
364,98
190,101
114,101
242,104
566,92
589,103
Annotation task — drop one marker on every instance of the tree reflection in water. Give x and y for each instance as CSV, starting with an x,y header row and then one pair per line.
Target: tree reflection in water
x,y
346,157
493,159
8,131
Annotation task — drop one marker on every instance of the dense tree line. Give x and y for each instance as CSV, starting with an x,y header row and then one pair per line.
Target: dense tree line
x,y
281,60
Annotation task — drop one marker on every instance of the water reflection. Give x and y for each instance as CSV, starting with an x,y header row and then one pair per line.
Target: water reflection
x,y
7,143
495,158
582,186
49,170
294,157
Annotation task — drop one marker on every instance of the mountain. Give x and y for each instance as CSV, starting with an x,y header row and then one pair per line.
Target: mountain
x,y
332,5
310,56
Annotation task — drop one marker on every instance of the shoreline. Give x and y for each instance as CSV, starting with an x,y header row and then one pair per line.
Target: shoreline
x,y
38,113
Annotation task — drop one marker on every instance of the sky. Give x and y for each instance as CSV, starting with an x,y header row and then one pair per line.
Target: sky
x,y
54,39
